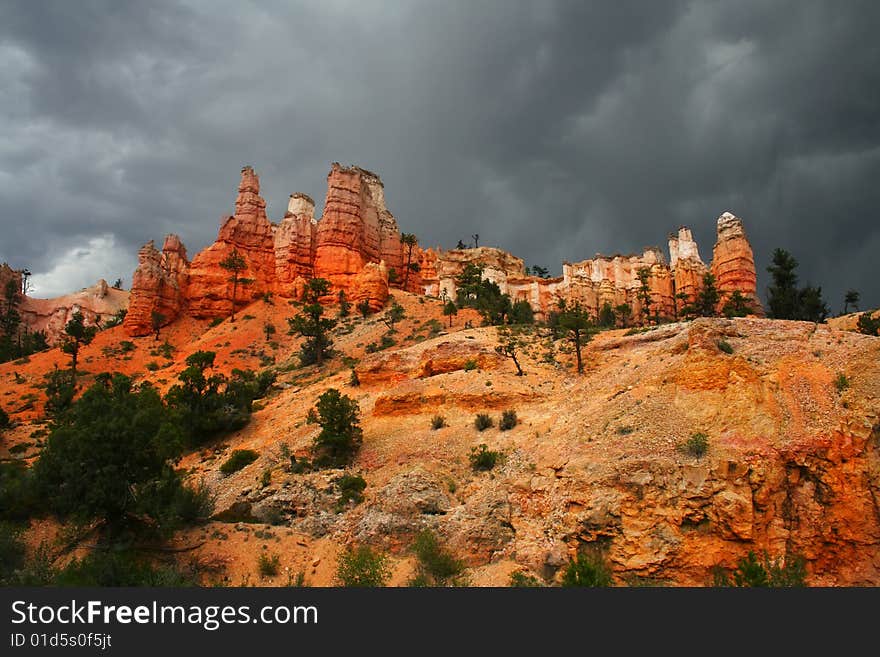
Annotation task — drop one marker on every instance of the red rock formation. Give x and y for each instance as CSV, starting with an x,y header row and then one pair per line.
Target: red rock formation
x,y
370,284
295,245
8,274
733,263
248,232
356,228
687,267
159,284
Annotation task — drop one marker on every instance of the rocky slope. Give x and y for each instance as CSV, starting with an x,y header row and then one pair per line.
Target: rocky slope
x,y
793,462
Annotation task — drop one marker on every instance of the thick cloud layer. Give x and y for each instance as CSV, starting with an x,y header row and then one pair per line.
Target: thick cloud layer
x,y
554,129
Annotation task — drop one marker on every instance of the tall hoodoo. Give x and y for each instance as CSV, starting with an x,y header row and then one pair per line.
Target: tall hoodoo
x,y
295,244
250,233
356,245
158,285
356,227
733,262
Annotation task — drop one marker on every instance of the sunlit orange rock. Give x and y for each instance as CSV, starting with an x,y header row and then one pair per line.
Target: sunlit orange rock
x,y
733,263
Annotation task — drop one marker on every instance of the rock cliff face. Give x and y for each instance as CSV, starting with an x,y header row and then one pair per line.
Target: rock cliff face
x,y
248,232
609,279
295,243
356,228
159,284
357,246
733,263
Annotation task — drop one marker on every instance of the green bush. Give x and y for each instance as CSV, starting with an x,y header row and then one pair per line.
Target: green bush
x,y
483,421
481,458
217,321
152,366
353,380
115,566
841,382
697,445
341,435
521,580
361,567
238,459
351,489
508,420
587,569
299,466
470,364
438,422
787,572
268,565
725,346
12,552
112,443
437,566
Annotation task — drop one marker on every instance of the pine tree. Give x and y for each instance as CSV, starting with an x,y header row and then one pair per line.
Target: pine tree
x,y
311,324
782,295
76,335
235,264
708,298
577,324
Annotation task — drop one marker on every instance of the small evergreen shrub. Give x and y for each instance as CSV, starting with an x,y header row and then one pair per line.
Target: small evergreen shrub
x,y
437,566
268,565
587,569
522,580
725,346
841,382
697,445
4,419
750,571
351,489
508,420
299,465
482,458
238,459
438,422
483,421
361,567
470,364
217,321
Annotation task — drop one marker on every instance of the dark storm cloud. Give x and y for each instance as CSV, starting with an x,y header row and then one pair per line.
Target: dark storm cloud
x,y
555,130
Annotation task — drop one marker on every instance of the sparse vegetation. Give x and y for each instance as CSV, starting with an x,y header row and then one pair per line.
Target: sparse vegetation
x,y
268,564
238,460
784,572
351,489
482,458
437,566
697,445
841,383
470,365
587,569
362,567
725,346
483,421
521,580
868,325
311,324
508,420
438,422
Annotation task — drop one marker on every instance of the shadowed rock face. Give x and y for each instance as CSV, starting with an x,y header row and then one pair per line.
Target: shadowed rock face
x,y
158,285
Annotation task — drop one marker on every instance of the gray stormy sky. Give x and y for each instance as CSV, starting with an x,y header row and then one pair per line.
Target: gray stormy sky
x,y
555,130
